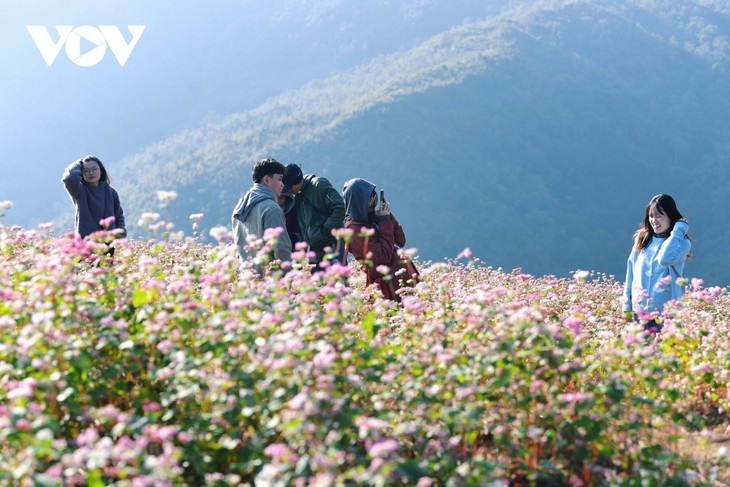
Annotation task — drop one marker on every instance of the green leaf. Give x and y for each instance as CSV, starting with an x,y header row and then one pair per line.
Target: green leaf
x,y
368,326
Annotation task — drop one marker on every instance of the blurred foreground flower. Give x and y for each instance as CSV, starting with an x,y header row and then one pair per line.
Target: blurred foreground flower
x,y
221,234
5,206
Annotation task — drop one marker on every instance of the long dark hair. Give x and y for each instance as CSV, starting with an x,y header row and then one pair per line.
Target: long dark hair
x,y
664,204
104,177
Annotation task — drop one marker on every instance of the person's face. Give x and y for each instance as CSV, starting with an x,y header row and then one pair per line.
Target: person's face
x,y
274,182
297,188
659,221
91,172
372,202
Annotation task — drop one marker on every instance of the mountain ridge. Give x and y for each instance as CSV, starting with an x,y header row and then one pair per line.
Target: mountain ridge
x,y
594,87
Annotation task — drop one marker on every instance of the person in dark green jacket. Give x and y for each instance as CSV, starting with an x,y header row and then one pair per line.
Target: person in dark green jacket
x,y
320,209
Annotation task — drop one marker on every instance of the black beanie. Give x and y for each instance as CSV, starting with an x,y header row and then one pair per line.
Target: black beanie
x,y
292,175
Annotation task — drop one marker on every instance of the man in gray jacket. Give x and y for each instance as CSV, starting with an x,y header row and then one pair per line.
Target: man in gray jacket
x,y
258,210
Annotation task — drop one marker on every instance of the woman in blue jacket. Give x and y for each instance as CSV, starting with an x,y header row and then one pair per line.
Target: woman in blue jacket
x,y
661,248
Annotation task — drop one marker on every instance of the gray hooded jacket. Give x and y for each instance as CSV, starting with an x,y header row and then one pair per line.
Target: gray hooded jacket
x,y
256,211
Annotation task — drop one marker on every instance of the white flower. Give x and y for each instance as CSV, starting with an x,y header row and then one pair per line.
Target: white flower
x,y
166,196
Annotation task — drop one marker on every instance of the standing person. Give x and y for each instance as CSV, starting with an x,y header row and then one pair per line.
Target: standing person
x,y
258,210
89,187
319,208
380,248
661,248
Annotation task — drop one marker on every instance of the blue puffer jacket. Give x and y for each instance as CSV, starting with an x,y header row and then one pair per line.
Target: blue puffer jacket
x,y
652,273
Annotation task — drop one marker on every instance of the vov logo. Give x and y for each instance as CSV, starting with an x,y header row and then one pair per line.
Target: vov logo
x,y
97,37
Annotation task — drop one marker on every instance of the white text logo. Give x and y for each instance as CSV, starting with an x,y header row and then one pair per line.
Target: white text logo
x,y
97,37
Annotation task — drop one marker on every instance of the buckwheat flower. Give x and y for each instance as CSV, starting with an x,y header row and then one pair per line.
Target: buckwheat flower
x,y
147,218
165,346
573,324
581,276
151,406
367,232
343,233
106,222
221,234
631,339
5,206
166,196
184,437
324,359
383,269
464,254
271,234
696,283
323,479
87,437
196,217
54,472
383,448
367,424
409,253
22,389
575,481
576,397
536,386
22,424
298,401
277,452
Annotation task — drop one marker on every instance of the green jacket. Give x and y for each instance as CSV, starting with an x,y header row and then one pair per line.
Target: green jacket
x,y
320,208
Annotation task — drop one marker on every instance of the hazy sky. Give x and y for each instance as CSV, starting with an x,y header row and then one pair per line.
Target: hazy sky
x,y
193,60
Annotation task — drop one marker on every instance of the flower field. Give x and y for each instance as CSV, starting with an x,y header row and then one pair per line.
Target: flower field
x,y
173,365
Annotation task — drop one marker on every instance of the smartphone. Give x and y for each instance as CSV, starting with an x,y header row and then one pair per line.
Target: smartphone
x,y
382,196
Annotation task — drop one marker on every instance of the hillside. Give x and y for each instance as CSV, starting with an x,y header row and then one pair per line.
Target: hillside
x,y
535,137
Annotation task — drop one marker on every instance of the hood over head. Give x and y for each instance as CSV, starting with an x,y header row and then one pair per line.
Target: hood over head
x,y
356,194
258,193
289,202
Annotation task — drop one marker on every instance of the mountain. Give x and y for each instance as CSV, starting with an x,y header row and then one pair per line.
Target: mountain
x,y
535,136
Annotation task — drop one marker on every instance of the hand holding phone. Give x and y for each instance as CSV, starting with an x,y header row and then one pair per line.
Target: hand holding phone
x,y
384,206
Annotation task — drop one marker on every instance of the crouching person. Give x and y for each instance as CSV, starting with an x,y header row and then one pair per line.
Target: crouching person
x,y
377,238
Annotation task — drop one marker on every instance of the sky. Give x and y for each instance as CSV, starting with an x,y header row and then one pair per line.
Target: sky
x,y
193,61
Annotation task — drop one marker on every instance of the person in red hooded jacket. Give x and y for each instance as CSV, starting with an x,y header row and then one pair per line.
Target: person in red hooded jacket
x,y
377,238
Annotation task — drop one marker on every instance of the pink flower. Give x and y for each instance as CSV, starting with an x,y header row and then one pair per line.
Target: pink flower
x,y
324,359
383,269
383,448
576,397
536,386
465,254
106,222
280,452
343,233
151,406
574,324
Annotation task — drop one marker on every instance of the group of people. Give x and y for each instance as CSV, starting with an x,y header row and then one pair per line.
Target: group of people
x,y
306,208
